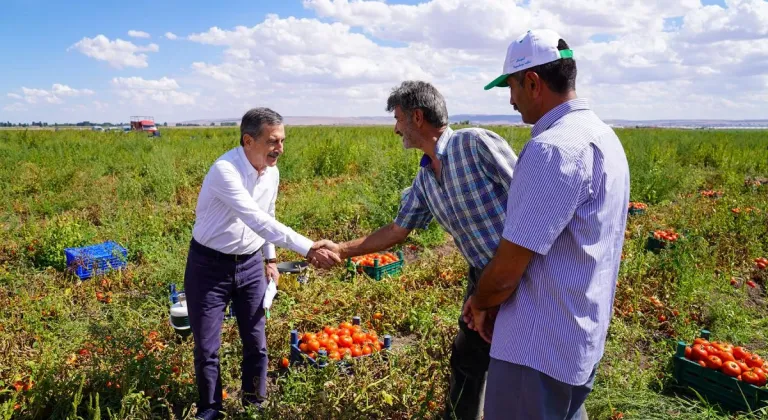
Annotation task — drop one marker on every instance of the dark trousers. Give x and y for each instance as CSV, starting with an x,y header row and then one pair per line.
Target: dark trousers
x,y
211,280
470,355
517,392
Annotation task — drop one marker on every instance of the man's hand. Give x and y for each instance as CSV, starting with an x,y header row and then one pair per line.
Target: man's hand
x,y
321,256
329,245
272,273
481,320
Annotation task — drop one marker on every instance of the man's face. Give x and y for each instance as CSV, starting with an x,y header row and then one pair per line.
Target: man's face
x,y
264,150
405,128
520,98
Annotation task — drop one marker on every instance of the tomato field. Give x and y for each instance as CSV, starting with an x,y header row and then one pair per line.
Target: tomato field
x,y
103,347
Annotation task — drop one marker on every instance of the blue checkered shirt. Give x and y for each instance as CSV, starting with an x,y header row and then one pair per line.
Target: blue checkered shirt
x,y
470,201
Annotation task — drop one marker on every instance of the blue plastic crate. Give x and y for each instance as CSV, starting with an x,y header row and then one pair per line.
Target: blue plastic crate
x,y
94,260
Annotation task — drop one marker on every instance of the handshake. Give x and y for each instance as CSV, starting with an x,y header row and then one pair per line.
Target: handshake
x,y
324,254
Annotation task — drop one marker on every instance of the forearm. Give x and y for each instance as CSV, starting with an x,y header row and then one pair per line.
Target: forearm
x,y
493,288
382,239
501,276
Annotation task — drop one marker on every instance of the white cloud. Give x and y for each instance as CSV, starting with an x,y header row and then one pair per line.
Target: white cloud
x,y
636,60
162,91
15,107
117,53
138,34
53,96
65,90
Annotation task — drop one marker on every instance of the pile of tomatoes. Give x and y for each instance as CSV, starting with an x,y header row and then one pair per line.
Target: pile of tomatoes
x,y
345,341
761,263
733,361
666,235
633,205
367,260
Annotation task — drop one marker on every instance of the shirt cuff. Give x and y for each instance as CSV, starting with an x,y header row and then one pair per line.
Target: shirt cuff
x,y
302,245
268,251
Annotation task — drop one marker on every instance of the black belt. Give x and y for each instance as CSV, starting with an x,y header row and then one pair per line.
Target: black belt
x,y
202,249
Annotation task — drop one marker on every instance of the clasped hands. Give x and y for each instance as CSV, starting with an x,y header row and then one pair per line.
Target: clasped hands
x,y
324,254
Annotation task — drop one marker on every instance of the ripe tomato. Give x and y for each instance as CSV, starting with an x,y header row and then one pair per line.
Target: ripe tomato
x,y
345,325
702,364
284,363
346,351
731,369
329,330
313,345
334,355
308,337
759,371
224,394
372,335
334,337
740,353
698,352
726,356
701,341
333,346
357,351
303,347
743,366
313,355
323,342
346,341
714,362
377,316
753,378
754,361
367,350
377,345
688,352
359,338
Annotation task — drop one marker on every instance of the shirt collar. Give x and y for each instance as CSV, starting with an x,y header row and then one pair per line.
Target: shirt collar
x,y
556,113
442,143
249,169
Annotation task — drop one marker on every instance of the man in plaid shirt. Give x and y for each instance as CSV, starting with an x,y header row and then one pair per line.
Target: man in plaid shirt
x,y
462,183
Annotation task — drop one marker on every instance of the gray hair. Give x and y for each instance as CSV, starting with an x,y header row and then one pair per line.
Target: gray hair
x,y
412,95
255,119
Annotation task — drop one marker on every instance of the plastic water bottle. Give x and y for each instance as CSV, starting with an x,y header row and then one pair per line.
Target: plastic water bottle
x,y
174,296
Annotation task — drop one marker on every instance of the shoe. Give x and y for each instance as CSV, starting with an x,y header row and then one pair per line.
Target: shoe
x,y
208,414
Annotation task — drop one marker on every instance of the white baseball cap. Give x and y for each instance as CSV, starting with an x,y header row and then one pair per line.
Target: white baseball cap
x,y
533,48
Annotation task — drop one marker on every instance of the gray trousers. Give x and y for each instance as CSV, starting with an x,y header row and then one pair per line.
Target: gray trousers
x,y
516,392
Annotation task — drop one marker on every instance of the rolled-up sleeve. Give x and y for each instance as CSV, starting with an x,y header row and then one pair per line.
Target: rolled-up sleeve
x,y
546,189
226,185
414,213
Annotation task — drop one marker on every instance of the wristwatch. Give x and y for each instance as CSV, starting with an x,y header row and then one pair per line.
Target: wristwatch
x,y
271,261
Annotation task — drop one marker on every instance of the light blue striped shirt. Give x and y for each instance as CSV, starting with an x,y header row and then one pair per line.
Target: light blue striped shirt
x,y
568,204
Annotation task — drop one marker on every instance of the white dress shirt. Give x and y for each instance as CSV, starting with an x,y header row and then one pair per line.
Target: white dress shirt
x,y
235,211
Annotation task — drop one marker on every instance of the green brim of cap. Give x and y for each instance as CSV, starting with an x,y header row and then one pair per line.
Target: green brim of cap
x,y
500,81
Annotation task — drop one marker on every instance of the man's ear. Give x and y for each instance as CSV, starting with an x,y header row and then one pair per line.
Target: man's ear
x,y
417,116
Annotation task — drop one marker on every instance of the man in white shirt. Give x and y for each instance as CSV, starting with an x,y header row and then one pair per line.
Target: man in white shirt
x,y
235,232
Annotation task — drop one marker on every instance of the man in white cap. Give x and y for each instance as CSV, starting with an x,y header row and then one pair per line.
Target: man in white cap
x,y
554,272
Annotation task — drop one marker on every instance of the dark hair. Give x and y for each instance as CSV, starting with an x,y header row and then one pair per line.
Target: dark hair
x,y
255,119
412,95
558,75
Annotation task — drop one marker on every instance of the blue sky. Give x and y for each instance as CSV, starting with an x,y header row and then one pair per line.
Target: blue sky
x,y
340,57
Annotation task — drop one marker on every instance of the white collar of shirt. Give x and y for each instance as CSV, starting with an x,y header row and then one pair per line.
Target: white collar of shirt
x,y
245,165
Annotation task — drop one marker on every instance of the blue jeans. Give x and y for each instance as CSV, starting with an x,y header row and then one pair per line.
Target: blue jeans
x,y
519,392
211,280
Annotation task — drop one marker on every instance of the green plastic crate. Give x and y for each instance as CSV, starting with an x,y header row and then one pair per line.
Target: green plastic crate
x,y
715,386
378,272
